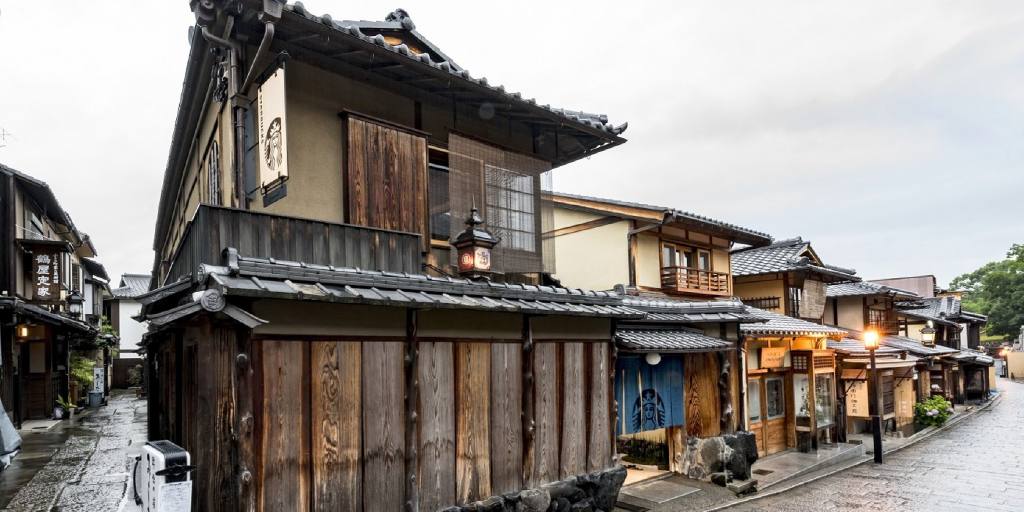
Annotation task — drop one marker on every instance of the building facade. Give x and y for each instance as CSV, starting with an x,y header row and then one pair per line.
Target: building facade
x,y
354,347
44,267
122,308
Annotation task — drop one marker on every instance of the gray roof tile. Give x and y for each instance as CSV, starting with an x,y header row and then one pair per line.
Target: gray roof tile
x,y
781,325
353,29
866,288
945,310
783,256
132,285
675,339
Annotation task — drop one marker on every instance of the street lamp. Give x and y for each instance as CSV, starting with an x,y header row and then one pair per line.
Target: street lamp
x,y
874,404
928,335
75,304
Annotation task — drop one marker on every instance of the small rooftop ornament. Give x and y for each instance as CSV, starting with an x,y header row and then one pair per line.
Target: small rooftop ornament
x,y
474,247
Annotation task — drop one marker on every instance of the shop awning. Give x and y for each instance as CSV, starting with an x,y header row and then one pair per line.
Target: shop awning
x,y
43,315
775,324
669,339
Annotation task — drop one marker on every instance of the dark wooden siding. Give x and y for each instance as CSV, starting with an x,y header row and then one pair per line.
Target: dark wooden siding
x,y
329,418
262,235
386,177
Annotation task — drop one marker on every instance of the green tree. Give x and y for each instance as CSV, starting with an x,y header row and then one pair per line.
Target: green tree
x,y
997,290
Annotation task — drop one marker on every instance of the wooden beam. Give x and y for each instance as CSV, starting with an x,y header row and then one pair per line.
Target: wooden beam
x,y
245,422
583,226
529,424
633,248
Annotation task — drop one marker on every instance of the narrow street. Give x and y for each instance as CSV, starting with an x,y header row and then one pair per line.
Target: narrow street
x,y
88,472
976,465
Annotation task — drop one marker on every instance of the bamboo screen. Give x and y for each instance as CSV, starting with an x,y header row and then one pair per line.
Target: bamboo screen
x,y
512,192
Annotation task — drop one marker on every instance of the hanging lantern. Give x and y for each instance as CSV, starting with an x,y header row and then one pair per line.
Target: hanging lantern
x,y
474,247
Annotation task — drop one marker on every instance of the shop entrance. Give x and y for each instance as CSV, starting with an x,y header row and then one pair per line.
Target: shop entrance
x,y
766,404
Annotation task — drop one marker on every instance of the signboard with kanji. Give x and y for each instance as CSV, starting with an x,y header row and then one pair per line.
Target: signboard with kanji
x,y
46,273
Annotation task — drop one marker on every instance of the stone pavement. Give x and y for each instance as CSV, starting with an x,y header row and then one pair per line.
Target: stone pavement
x,y
976,465
88,471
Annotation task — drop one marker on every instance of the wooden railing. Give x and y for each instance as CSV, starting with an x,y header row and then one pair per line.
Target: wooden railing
x,y
262,235
691,280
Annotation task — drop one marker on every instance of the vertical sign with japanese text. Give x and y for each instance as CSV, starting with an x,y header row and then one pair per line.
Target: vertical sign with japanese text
x,y
46,272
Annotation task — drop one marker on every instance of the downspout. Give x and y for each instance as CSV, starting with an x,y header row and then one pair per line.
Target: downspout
x,y
239,101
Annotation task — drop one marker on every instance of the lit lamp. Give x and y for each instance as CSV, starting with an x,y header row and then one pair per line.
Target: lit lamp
x,y
75,304
871,343
652,358
928,334
474,248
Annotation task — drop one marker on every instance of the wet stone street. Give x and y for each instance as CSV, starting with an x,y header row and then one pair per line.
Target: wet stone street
x,y
88,472
977,464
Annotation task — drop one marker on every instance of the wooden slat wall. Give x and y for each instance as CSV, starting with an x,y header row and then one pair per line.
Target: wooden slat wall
x,y
546,413
472,440
599,447
285,478
383,388
270,236
574,411
701,395
386,177
330,428
437,425
337,433
506,418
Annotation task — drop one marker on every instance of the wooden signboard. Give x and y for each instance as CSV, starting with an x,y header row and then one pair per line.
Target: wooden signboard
x,y
46,272
773,357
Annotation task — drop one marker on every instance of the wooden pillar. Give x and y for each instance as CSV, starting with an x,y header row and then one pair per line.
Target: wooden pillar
x,y
412,392
245,451
632,255
725,393
529,431
613,355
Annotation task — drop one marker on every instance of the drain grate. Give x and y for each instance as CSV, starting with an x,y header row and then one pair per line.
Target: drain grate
x,y
762,472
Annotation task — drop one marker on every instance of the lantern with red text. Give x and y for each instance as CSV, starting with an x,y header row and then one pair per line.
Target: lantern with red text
x,y
474,248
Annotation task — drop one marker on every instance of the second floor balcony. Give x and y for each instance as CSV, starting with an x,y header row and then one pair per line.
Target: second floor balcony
x,y
686,280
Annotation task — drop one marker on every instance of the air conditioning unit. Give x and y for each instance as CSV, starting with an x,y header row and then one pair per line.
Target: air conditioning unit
x,y
161,478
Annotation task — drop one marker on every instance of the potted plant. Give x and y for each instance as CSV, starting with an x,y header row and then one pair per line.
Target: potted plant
x,y
63,409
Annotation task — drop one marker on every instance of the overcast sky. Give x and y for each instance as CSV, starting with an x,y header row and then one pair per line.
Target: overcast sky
x,y
890,134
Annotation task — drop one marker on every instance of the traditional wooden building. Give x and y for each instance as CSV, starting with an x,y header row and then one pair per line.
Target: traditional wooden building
x,y
897,375
791,370
324,335
41,269
862,306
674,265
790,386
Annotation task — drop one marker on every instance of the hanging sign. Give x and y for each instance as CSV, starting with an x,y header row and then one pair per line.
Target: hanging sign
x,y
649,396
273,130
773,357
46,273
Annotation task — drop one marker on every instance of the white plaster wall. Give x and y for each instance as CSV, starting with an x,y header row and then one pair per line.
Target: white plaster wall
x,y
127,328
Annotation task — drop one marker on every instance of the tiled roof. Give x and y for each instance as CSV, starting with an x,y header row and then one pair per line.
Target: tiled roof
x,y
974,356
132,285
865,288
96,269
783,256
665,309
266,278
675,339
946,310
855,347
781,325
399,20
43,315
749,235
915,347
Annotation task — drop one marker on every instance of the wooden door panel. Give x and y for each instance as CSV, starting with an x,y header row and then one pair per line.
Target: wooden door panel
x,y
775,435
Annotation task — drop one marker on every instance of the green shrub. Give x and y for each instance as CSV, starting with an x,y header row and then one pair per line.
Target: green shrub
x,y
933,412
81,371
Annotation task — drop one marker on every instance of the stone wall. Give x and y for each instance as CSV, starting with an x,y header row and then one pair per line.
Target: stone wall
x,y
595,492
708,458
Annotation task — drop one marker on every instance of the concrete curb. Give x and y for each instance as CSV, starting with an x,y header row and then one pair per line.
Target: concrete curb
x,y
913,440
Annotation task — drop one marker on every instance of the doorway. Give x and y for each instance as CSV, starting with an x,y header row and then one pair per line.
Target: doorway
x,y
35,380
766,406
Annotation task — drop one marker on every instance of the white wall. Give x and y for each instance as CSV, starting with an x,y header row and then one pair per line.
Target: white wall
x,y
128,329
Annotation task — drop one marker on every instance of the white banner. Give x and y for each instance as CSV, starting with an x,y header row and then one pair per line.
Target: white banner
x,y
273,130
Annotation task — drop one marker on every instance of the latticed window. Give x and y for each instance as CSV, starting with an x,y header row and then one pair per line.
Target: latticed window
x,y
510,208
793,296
213,174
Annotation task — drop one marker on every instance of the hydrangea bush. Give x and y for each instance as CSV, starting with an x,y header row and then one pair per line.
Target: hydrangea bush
x,y
933,412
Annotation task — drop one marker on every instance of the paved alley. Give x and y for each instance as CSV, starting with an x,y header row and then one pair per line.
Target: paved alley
x,y
976,465
88,472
